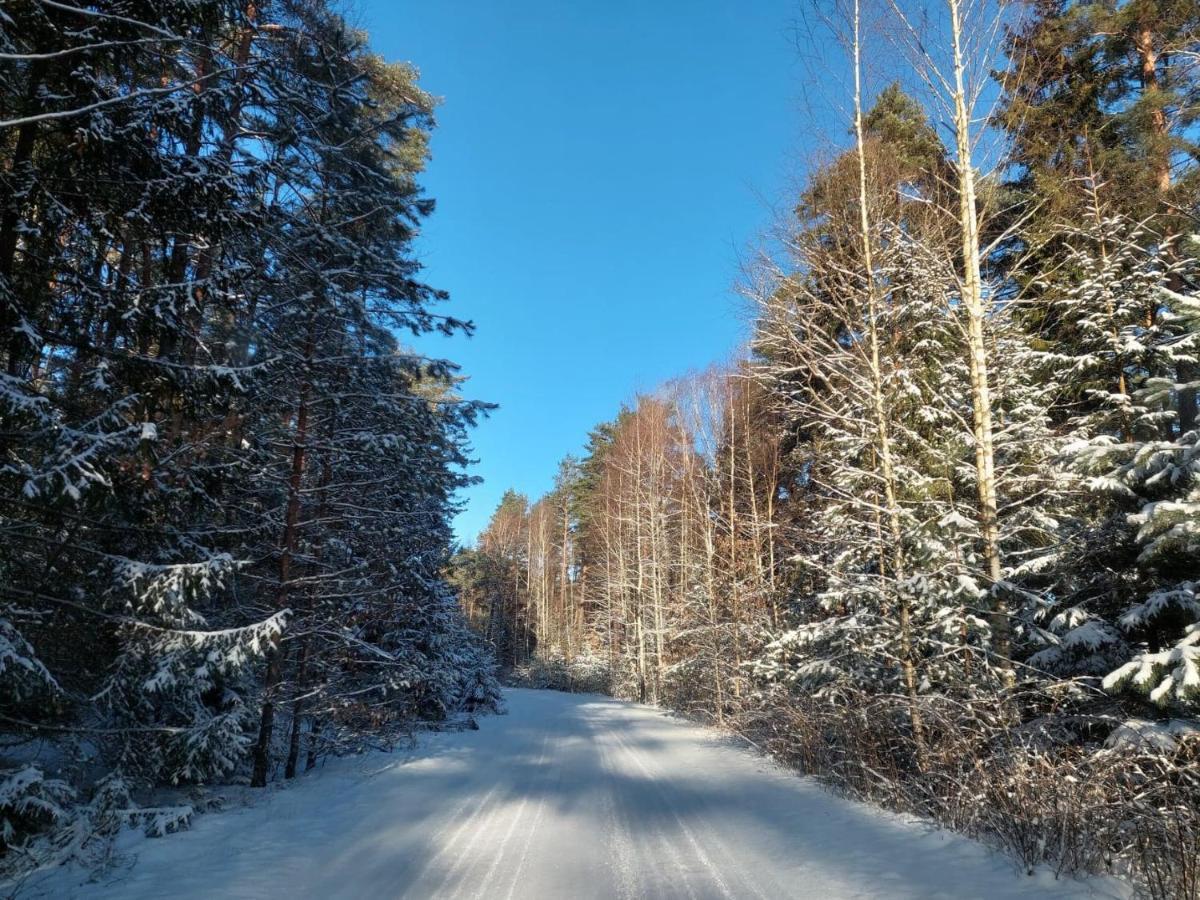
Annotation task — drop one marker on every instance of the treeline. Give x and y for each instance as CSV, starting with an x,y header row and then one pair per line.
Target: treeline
x,y
225,485
656,557
936,539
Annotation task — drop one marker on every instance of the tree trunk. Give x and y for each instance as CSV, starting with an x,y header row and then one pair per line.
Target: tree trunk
x,y
882,432
293,756
9,224
973,303
262,750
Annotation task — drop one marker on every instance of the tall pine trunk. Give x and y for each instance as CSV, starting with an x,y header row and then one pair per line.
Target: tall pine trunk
x,y
274,674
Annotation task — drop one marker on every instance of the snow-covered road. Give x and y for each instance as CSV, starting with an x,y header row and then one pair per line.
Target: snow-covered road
x,y
567,796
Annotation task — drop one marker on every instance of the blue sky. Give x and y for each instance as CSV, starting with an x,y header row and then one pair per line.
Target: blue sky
x,y
600,170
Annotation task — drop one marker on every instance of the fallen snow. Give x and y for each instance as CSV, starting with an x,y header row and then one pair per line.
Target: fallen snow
x,y
575,796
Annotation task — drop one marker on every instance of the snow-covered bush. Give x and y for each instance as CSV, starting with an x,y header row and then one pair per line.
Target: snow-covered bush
x,y
584,673
1071,787
589,673
29,803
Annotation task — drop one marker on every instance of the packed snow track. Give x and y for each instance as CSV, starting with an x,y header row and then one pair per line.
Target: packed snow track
x,y
566,796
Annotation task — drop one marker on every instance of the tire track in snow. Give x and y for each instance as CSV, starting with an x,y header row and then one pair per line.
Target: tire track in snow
x,y
512,827
630,886
747,882
446,847
457,878
751,881
697,851
532,832
483,823
670,849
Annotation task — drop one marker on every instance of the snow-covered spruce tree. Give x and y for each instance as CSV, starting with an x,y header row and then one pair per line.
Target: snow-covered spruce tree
x,y
843,351
924,391
815,343
1098,105
815,359
1139,453
379,639
1104,341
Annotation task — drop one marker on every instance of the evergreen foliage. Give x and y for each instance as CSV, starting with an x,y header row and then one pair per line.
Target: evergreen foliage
x,y
225,483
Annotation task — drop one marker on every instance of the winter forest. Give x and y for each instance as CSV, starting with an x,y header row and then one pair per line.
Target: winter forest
x,y
936,536
932,538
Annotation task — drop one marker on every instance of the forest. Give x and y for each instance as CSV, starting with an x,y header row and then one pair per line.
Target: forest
x,y
226,482
932,537
935,536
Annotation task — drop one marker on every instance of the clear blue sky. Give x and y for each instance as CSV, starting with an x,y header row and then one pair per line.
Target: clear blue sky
x,y
600,171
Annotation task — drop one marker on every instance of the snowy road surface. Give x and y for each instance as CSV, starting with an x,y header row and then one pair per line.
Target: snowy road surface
x,y
567,796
